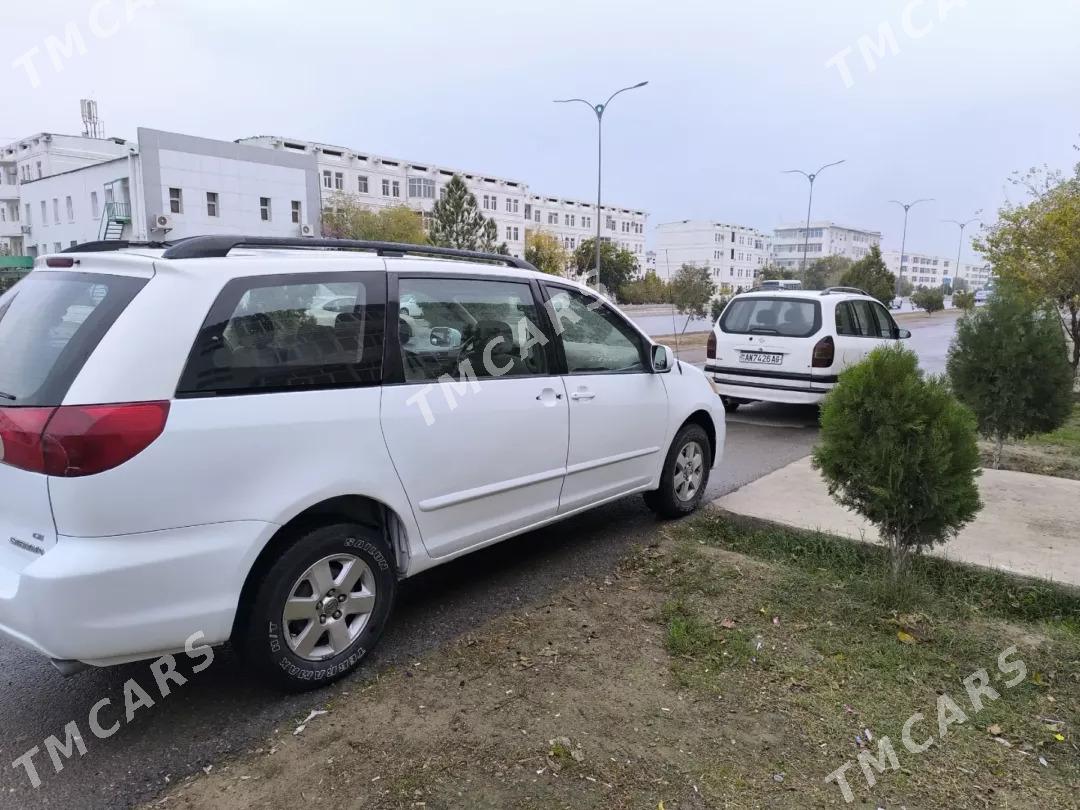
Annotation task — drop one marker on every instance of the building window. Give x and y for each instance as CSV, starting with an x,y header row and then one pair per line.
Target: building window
x,y
211,204
586,222
339,181
327,179
264,209
56,211
39,175
56,247
73,243
361,184
395,187
70,209
508,233
95,212
386,188
29,220
423,187
536,215
516,233
176,201
297,211
553,218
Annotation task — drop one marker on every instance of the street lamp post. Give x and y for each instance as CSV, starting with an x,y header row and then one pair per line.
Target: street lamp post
x,y
599,110
959,247
811,176
903,240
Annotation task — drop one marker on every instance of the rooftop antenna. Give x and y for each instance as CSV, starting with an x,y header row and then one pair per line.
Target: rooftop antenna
x,y
92,126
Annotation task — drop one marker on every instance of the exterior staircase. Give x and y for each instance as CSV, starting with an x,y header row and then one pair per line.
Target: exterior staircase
x,y
114,219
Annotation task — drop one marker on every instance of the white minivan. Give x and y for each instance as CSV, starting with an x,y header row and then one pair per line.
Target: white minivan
x,y
256,439
791,345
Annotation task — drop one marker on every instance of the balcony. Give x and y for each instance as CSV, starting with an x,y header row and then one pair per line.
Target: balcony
x,y
9,191
10,229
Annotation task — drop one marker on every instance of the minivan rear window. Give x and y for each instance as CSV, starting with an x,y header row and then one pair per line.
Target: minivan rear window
x,y
50,323
787,317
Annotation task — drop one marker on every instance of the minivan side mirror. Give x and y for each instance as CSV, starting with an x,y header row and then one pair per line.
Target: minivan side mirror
x,y
902,334
663,359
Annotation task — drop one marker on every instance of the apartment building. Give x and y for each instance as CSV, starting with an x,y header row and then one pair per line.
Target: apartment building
x,y
38,156
825,239
733,254
927,270
169,186
376,181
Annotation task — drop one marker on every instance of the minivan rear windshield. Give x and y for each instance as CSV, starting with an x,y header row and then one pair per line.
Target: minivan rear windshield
x,y
787,317
50,322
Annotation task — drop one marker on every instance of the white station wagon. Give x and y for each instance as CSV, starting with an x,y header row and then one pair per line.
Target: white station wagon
x,y
256,439
791,345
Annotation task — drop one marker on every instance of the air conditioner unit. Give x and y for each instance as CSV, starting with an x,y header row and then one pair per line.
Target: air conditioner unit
x,y
307,230
25,229
163,222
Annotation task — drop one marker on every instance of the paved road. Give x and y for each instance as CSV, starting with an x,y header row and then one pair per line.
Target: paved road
x,y
221,712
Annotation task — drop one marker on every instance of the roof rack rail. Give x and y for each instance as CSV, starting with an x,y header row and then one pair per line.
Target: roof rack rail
x,y
207,247
106,245
831,290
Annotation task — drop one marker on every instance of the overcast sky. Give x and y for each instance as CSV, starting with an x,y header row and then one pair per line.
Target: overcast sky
x,y
738,91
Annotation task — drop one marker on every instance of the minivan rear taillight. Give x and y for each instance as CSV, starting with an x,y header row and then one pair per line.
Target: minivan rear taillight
x,y
75,440
824,352
710,346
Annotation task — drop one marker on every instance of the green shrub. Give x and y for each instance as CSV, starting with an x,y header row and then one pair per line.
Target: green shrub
x,y
930,300
964,299
898,448
1009,364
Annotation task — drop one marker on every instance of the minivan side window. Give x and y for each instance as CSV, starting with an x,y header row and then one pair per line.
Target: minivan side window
x,y
594,338
885,324
290,332
462,327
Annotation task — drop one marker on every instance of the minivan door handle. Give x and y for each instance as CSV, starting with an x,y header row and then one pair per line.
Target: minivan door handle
x,y
582,395
548,396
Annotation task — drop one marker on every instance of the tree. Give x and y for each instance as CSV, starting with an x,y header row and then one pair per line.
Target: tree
x,y
906,288
344,219
617,265
773,272
959,284
650,289
899,449
716,308
691,290
1036,244
545,252
456,220
870,274
826,272
930,300
1008,363
964,299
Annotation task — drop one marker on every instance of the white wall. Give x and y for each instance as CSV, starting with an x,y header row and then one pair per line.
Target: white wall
x,y
239,184
733,254
826,239
83,226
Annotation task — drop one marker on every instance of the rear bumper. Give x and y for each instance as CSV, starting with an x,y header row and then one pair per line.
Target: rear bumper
x,y
770,386
108,600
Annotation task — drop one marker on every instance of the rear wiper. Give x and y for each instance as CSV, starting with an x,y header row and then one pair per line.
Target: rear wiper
x,y
6,395
760,330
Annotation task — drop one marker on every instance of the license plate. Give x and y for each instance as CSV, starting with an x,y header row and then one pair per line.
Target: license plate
x,y
761,358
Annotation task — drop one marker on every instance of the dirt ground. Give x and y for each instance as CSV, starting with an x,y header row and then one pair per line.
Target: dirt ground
x,y
687,679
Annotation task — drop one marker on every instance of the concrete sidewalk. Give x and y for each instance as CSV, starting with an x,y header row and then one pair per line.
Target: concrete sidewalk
x,y
1029,524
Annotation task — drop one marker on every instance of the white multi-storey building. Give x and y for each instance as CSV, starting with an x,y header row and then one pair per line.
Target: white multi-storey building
x,y
169,186
377,182
733,254
34,158
927,270
826,239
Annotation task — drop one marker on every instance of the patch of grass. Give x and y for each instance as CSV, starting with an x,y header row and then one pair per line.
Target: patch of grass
x,y
810,641
1056,453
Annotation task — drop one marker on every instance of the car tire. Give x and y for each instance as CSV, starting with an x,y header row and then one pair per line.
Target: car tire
x,y
322,641
674,499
